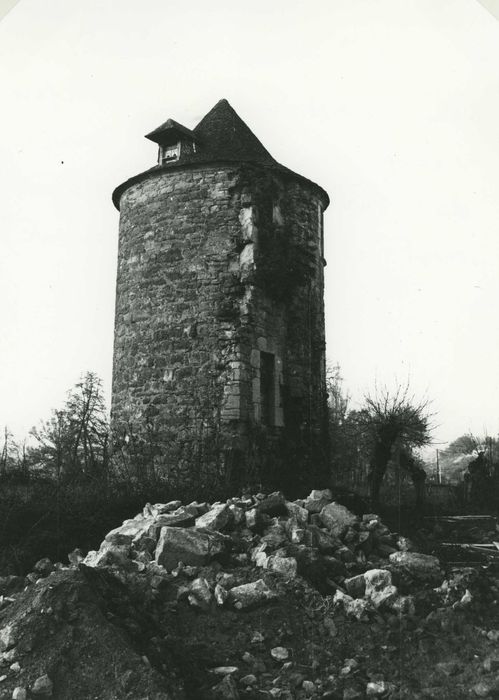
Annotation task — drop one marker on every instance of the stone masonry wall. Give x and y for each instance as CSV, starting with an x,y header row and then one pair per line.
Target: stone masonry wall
x,y
216,266
282,267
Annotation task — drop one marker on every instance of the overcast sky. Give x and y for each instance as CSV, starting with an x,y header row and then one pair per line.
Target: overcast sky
x,y
392,106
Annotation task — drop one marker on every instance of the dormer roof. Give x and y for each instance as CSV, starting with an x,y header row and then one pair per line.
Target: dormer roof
x,y
170,132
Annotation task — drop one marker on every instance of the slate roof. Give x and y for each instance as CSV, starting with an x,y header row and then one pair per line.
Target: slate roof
x,y
169,131
226,136
221,136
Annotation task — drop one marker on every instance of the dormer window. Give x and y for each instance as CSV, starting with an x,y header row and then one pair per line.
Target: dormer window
x,y
174,140
169,153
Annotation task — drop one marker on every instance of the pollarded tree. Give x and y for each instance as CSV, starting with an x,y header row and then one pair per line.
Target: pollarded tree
x,y
463,445
393,421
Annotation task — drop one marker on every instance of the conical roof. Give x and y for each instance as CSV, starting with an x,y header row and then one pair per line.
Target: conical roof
x,y
221,136
224,135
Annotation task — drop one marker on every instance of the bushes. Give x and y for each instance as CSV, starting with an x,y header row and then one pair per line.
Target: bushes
x,y
41,518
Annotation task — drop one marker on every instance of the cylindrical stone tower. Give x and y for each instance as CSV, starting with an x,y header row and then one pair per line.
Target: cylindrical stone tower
x,y
219,352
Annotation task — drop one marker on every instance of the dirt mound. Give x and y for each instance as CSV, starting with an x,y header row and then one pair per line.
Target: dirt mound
x,y
87,633
253,598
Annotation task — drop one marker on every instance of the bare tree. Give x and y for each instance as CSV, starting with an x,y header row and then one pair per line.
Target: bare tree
x,y
53,448
88,425
11,453
393,419
74,441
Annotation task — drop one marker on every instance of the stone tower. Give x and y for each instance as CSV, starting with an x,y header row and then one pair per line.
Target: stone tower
x,y
219,351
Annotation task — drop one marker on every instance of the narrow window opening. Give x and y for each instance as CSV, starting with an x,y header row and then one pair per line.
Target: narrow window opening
x,y
267,388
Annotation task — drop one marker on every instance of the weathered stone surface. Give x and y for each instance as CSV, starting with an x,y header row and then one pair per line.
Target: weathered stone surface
x,y
237,514
287,566
448,668
250,595
402,604
109,554
404,544
379,588
275,535
130,530
325,541
249,679
226,689
221,594
355,586
75,557
420,566
200,594
215,519
337,518
345,554
191,272
43,567
256,520
491,663
317,499
279,653
258,550
7,637
192,547
159,508
298,512
309,688
19,693
376,689
224,670
376,580
180,517
482,689
295,533
353,607
261,559
43,686
274,504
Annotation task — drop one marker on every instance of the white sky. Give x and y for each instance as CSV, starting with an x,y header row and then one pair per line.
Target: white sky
x,y
392,106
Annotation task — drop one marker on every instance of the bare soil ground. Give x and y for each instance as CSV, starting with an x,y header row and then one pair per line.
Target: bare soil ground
x,y
110,633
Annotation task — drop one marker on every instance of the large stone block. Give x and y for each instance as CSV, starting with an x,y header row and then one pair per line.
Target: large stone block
x,y
190,546
250,595
423,567
337,518
215,519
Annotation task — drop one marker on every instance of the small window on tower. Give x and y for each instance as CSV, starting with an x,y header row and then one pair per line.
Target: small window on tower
x,y
267,388
169,153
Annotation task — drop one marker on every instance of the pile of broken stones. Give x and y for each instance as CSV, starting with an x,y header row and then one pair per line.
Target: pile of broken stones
x,y
354,558
220,555
355,561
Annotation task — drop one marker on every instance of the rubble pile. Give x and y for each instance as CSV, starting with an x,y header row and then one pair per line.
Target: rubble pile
x,y
355,558
255,597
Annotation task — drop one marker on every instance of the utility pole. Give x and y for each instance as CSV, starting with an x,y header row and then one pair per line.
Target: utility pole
x,y
439,475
